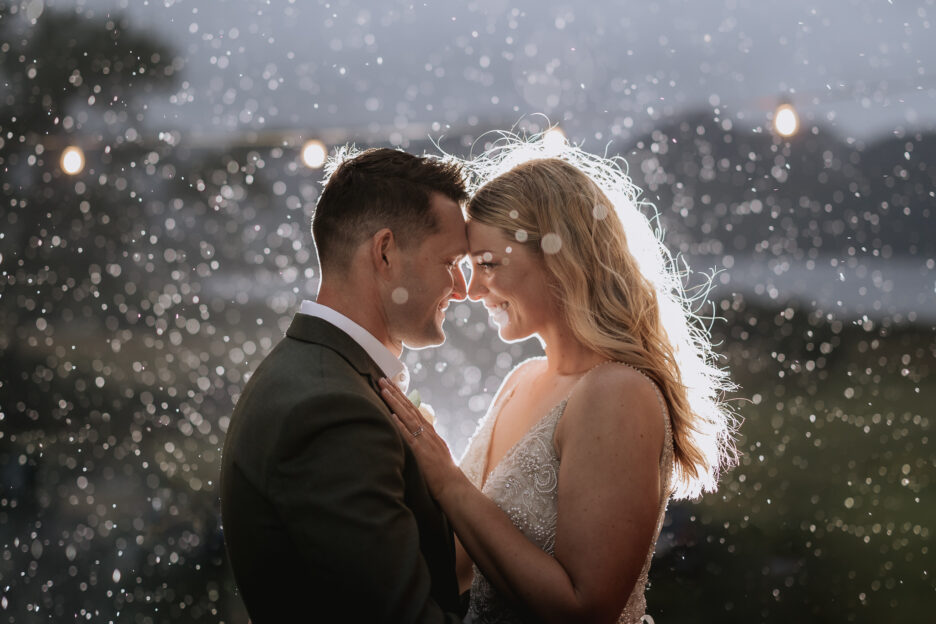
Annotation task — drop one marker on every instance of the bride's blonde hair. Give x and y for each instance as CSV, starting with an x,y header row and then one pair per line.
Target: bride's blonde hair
x,y
616,283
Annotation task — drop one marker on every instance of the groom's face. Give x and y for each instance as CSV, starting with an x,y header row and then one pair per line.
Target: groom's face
x,y
431,278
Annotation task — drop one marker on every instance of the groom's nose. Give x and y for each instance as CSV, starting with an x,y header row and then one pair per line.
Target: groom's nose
x,y
459,288
475,289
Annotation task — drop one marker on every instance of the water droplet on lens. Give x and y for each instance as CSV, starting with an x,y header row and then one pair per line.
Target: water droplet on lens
x,y
399,295
551,243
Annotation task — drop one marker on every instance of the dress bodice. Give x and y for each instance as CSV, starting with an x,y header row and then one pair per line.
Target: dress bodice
x,y
525,485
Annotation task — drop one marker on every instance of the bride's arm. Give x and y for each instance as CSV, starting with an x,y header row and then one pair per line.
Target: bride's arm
x,y
610,440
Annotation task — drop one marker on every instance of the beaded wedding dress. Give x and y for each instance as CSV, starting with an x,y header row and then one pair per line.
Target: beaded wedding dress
x,y
525,485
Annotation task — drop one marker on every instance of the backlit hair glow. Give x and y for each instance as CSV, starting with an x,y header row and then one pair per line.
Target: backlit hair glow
x,y
619,287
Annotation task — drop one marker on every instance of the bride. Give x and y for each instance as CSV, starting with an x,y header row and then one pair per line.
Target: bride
x,y
561,493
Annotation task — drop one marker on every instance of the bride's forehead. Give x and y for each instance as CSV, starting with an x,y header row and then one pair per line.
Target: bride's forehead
x,y
480,234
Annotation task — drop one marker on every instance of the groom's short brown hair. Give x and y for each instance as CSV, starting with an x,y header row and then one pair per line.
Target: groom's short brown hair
x,y
380,188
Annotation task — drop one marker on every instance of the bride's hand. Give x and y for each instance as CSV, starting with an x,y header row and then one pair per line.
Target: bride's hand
x,y
430,450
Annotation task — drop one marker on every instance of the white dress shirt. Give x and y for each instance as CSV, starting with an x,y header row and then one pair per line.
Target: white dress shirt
x,y
392,367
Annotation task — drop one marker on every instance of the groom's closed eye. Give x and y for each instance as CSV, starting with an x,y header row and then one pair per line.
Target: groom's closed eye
x,y
459,263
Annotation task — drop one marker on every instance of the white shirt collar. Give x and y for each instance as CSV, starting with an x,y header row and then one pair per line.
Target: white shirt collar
x,y
392,367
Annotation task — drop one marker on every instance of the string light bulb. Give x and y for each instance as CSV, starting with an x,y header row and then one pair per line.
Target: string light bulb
x,y
314,154
73,160
786,121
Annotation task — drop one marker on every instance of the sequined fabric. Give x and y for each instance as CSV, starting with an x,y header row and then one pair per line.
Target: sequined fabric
x,y
525,485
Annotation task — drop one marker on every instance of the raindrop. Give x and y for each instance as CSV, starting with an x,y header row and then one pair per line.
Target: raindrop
x,y
551,243
34,10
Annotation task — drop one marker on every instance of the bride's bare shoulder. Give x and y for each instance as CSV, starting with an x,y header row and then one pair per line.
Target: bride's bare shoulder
x,y
618,396
528,367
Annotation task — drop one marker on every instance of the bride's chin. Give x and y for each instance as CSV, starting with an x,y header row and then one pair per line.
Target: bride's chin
x,y
507,334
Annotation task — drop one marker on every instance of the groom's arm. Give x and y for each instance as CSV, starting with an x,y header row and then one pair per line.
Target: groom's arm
x,y
339,486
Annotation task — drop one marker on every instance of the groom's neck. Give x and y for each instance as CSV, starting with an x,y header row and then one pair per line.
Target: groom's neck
x,y
361,307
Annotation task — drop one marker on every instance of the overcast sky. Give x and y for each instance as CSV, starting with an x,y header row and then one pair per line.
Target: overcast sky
x,y
864,67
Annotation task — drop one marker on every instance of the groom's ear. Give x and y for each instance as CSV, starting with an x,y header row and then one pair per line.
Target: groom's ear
x,y
384,252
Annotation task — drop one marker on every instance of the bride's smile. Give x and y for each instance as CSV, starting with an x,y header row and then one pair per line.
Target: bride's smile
x,y
498,313
510,280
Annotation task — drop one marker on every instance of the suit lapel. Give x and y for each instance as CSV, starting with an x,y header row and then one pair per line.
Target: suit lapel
x,y
317,331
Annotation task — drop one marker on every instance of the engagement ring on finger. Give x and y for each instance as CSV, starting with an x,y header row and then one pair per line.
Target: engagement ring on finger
x,y
418,431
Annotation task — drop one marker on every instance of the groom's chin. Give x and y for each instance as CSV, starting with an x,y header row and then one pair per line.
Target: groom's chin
x,y
433,339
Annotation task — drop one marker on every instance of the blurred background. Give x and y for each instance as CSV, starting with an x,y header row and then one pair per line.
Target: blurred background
x,y
160,164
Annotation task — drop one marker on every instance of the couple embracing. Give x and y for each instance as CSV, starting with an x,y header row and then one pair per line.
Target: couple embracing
x,y
340,503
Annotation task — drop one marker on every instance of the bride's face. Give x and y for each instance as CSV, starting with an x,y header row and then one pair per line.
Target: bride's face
x,y
511,281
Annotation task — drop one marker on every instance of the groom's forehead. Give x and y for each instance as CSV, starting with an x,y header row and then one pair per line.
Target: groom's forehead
x,y
451,242
446,208
450,219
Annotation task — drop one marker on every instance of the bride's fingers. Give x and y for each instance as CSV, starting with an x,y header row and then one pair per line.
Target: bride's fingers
x,y
409,429
403,412
387,390
397,400
401,425
392,391
396,405
406,415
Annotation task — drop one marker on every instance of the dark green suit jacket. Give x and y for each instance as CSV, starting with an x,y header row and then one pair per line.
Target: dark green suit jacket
x,y
326,515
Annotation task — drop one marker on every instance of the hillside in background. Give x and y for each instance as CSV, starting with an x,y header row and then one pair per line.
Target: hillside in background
x,y
815,194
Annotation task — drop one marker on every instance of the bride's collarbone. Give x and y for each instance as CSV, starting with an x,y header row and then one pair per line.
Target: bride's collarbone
x,y
525,406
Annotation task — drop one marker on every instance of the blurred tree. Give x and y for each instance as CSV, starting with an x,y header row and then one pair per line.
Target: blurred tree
x,y
70,81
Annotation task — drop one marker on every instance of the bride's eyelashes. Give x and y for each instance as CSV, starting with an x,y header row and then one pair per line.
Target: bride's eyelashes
x,y
486,261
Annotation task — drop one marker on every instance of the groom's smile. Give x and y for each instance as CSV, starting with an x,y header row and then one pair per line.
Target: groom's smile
x,y
433,277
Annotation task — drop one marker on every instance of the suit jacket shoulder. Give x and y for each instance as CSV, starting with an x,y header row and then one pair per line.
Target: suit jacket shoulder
x,y
322,500
313,376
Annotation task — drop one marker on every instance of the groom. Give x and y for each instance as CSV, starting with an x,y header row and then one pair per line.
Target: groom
x,y
326,515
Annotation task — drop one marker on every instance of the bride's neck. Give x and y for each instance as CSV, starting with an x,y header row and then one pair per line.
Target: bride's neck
x,y
565,355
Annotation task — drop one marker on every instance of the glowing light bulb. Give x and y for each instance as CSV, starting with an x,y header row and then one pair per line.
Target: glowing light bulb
x,y
314,154
73,160
554,140
786,122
